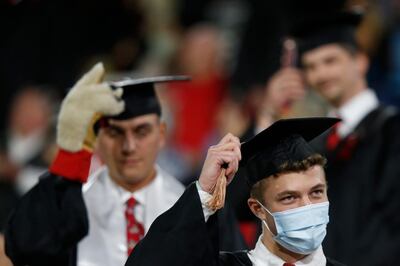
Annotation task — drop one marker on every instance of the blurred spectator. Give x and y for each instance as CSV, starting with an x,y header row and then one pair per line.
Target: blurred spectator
x,y
27,144
26,149
194,104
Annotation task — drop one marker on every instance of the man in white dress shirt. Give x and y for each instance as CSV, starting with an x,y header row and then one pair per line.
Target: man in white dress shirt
x,y
129,153
128,144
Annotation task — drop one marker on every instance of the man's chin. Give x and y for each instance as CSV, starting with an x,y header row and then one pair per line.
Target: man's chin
x,y
131,176
329,94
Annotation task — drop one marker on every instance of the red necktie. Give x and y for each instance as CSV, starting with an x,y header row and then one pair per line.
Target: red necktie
x,y
333,138
288,264
134,229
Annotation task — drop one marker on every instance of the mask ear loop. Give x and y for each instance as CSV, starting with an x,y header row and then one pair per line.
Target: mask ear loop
x,y
263,221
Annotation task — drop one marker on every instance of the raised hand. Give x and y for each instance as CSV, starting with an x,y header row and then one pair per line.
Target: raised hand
x,y
86,99
284,88
225,153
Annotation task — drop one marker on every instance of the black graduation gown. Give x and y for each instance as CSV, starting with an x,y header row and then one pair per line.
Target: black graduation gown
x,y
8,200
181,237
51,219
47,224
364,192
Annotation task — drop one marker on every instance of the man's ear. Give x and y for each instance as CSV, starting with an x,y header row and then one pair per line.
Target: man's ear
x,y
256,209
363,63
163,133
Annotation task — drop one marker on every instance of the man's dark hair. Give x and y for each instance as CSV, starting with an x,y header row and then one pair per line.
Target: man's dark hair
x,y
257,191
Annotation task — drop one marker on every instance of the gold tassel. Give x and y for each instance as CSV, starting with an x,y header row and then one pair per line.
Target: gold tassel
x,y
218,197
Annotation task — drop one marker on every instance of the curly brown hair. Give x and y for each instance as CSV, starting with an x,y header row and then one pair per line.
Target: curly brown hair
x,y
258,188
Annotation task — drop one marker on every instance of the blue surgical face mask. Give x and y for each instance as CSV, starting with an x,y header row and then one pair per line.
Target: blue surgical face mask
x,y
301,230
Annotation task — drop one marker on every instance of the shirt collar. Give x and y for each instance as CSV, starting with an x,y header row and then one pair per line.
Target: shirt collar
x,y
140,195
355,110
261,256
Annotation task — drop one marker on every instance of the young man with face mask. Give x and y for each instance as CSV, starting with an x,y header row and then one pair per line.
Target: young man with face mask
x,y
97,220
288,193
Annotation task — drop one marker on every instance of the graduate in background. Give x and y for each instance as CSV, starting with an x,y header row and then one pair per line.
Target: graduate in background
x,y
363,150
72,219
288,194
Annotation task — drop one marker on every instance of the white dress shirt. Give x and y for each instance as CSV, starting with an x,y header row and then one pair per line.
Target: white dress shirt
x,y
106,243
261,256
354,111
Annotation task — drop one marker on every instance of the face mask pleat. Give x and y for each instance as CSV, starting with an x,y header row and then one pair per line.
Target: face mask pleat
x,y
301,230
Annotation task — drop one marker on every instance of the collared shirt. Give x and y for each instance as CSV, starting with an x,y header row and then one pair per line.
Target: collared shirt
x,y
354,111
106,243
261,256
204,198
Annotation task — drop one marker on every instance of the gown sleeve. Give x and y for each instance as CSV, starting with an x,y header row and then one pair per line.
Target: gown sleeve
x,y
180,236
50,219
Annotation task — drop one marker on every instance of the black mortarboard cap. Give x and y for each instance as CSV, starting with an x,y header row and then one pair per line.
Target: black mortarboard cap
x,y
284,141
140,96
325,27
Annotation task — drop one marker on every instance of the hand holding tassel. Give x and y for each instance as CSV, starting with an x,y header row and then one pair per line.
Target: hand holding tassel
x,y
219,168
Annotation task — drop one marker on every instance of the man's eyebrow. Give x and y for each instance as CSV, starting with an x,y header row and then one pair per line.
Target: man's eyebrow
x,y
287,192
319,186
144,124
116,127
294,192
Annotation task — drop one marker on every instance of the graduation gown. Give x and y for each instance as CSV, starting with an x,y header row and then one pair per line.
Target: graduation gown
x,y
181,237
8,200
363,175
51,220
47,224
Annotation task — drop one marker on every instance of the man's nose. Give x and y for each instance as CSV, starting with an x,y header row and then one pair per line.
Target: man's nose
x,y
306,201
129,143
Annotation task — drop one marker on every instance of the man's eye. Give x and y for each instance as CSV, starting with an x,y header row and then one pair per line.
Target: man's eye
x,y
330,60
317,193
287,199
308,67
113,132
142,132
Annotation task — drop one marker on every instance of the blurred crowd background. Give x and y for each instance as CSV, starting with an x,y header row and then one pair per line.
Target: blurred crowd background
x,y
230,48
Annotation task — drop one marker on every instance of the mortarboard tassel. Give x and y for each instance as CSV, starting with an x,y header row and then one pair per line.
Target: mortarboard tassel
x,y
218,197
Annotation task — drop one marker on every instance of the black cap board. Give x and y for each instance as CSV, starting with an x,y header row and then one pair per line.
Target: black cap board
x,y
326,27
140,96
284,141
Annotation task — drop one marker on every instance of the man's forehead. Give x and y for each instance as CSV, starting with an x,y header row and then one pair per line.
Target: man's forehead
x,y
135,121
294,181
322,51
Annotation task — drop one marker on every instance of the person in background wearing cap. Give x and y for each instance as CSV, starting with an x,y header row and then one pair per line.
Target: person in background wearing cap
x,y
363,149
288,194
61,221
